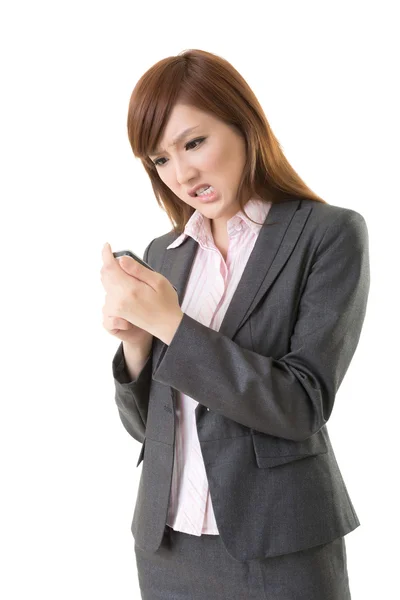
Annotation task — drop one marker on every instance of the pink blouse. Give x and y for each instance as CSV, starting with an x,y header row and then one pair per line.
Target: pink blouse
x,y
210,288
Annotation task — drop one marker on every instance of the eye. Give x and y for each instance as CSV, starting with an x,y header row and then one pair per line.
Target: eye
x,y
197,141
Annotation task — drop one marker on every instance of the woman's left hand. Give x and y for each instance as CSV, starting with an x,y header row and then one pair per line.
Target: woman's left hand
x,y
143,297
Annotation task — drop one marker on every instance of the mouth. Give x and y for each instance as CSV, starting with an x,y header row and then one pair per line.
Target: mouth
x,y
198,188
209,195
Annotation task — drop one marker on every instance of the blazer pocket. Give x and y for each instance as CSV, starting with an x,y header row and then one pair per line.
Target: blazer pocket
x,y
141,454
272,451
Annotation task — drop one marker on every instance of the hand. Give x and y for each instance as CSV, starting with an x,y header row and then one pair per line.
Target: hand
x,y
126,332
142,297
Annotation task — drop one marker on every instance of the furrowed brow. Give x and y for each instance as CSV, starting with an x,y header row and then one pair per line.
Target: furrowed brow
x,y
178,139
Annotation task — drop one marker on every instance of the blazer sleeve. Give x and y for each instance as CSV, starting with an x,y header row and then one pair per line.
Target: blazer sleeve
x,y
132,397
290,397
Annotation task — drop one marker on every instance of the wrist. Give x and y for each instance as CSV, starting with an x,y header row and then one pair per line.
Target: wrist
x,y
137,351
170,328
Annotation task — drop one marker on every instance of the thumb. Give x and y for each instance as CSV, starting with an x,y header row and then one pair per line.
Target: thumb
x,y
131,266
126,263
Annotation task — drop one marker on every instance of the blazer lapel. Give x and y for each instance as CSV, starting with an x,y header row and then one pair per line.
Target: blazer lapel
x,y
273,247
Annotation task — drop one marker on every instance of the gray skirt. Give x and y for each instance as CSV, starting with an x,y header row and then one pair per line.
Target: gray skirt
x,y
188,567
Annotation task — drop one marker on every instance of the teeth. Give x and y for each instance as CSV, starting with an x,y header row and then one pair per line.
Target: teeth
x,y
205,191
199,191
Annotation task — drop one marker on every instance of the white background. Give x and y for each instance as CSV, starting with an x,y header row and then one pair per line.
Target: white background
x,y
325,74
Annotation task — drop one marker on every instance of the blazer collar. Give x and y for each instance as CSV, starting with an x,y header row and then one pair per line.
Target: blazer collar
x,y
275,242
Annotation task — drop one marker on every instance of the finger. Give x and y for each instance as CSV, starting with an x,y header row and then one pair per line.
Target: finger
x,y
115,323
122,324
110,266
134,268
129,264
107,255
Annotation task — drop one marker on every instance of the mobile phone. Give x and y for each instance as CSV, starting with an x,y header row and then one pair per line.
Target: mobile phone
x,y
136,257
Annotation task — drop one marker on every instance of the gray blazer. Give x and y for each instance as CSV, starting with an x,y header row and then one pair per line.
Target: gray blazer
x,y
265,382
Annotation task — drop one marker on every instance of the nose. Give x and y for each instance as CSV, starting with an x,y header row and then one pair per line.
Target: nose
x,y
185,172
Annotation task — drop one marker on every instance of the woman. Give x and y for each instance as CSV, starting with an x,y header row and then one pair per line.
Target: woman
x,y
229,382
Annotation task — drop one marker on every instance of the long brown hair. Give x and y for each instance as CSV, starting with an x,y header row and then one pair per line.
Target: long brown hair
x,y
209,83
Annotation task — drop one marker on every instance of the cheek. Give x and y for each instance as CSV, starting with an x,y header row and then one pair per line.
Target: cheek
x,y
210,161
236,157
167,178
218,160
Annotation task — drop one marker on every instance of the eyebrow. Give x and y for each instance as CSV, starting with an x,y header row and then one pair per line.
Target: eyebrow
x,y
178,138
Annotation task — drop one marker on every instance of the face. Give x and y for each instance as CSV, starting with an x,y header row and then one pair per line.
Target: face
x,y
212,153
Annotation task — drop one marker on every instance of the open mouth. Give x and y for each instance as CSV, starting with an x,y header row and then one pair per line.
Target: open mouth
x,y
208,195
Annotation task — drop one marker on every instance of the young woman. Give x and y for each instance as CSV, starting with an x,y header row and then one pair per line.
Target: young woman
x,y
229,382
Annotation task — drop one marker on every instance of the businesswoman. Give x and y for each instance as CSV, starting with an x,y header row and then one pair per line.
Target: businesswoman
x,y
228,381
